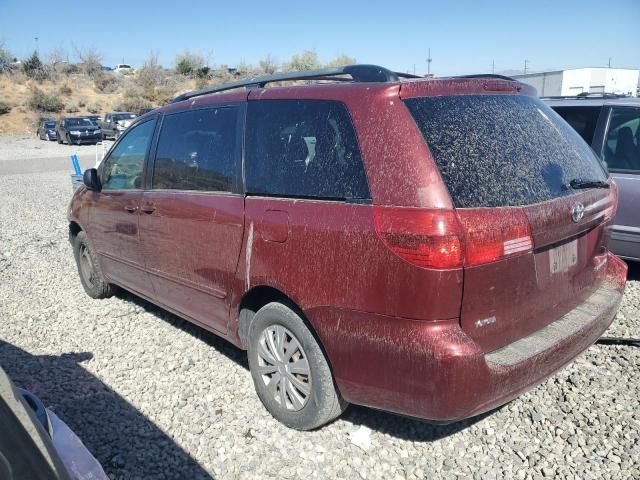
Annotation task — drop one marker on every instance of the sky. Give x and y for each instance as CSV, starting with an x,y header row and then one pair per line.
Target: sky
x,y
464,36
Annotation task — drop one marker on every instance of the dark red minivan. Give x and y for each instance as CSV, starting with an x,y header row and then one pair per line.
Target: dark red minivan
x,y
431,247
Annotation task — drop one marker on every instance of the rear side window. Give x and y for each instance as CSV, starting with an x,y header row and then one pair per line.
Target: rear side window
x,y
582,119
502,150
303,148
197,150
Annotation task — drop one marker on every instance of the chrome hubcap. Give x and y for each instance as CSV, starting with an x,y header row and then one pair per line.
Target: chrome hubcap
x,y
283,367
86,265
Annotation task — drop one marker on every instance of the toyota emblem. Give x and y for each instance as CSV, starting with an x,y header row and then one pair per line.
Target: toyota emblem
x,y
577,212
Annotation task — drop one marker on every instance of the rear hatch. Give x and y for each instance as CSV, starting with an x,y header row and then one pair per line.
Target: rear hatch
x,y
533,201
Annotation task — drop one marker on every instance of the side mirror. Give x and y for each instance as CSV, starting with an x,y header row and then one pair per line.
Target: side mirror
x,y
91,180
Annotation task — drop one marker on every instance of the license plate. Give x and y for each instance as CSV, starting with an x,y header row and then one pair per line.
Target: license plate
x,y
562,258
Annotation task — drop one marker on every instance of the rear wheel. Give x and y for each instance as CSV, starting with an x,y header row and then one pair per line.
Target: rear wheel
x,y
290,372
89,270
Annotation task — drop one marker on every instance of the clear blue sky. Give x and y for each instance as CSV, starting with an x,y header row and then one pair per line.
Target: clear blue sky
x,y
464,36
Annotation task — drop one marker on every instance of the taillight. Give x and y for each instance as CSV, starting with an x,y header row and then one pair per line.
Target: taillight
x,y
611,210
425,238
494,233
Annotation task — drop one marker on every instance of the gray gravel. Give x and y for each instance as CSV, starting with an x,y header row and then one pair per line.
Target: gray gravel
x,y
155,397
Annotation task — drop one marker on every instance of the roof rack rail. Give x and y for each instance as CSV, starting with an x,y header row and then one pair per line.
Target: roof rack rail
x,y
488,75
358,73
587,95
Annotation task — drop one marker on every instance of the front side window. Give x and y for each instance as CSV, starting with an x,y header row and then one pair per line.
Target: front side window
x,y
197,150
303,148
124,166
621,149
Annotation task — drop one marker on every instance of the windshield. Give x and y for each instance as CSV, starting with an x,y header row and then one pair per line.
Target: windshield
x,y
123,116
503,150
78,122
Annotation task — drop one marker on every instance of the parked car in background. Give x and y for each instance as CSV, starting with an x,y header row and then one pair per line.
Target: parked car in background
x,y
115,123
432,247
47,130
77,130
610,123
123,68
36,444
95,119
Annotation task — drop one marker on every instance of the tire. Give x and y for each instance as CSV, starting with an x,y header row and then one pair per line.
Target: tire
x,y
308,400
89,269
69,141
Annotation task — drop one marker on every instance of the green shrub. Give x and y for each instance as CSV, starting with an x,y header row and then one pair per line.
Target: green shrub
x,y
4,107
32,65
188,63
44,102
65,90
73,108
82,103
307,60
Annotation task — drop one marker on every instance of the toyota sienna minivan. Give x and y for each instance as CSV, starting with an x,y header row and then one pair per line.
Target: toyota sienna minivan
x,y
431,247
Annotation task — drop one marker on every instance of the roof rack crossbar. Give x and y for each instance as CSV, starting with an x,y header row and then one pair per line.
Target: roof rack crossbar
x,y
586,96
358,73
488,75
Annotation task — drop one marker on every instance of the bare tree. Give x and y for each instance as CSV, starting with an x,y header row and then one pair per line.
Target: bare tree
x,y
89,60
269,64
151,74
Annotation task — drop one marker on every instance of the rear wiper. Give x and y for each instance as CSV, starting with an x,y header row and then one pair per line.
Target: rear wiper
x,y
578,183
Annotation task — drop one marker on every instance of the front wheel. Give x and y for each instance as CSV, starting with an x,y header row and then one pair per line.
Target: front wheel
x,y
88,268
290,372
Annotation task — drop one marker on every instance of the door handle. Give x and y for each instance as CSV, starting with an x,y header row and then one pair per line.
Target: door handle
x,y
148,208
131,208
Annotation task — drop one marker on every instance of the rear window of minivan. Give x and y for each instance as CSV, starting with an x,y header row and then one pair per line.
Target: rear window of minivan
x,y
502,150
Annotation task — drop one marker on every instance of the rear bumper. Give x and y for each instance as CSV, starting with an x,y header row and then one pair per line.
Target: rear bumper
x,y
435,371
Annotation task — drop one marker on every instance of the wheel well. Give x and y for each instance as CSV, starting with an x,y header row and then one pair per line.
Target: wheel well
x,y
74,230
254,300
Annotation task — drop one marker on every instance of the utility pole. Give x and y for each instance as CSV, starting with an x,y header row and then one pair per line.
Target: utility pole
x,y
429,62
36,39
493,66
609,62
525,66
414,68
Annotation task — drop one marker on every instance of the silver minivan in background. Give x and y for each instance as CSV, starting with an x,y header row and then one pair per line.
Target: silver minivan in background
x,y
610,123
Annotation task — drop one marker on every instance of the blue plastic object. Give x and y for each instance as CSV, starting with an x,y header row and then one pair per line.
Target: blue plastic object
x,y
76,164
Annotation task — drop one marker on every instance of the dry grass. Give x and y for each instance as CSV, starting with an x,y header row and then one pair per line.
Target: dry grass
x,y
74,90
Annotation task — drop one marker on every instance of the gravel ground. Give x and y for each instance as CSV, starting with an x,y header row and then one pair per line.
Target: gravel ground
x,y
155,397
23,147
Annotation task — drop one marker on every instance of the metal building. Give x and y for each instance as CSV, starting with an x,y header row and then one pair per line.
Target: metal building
x,y
580,80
